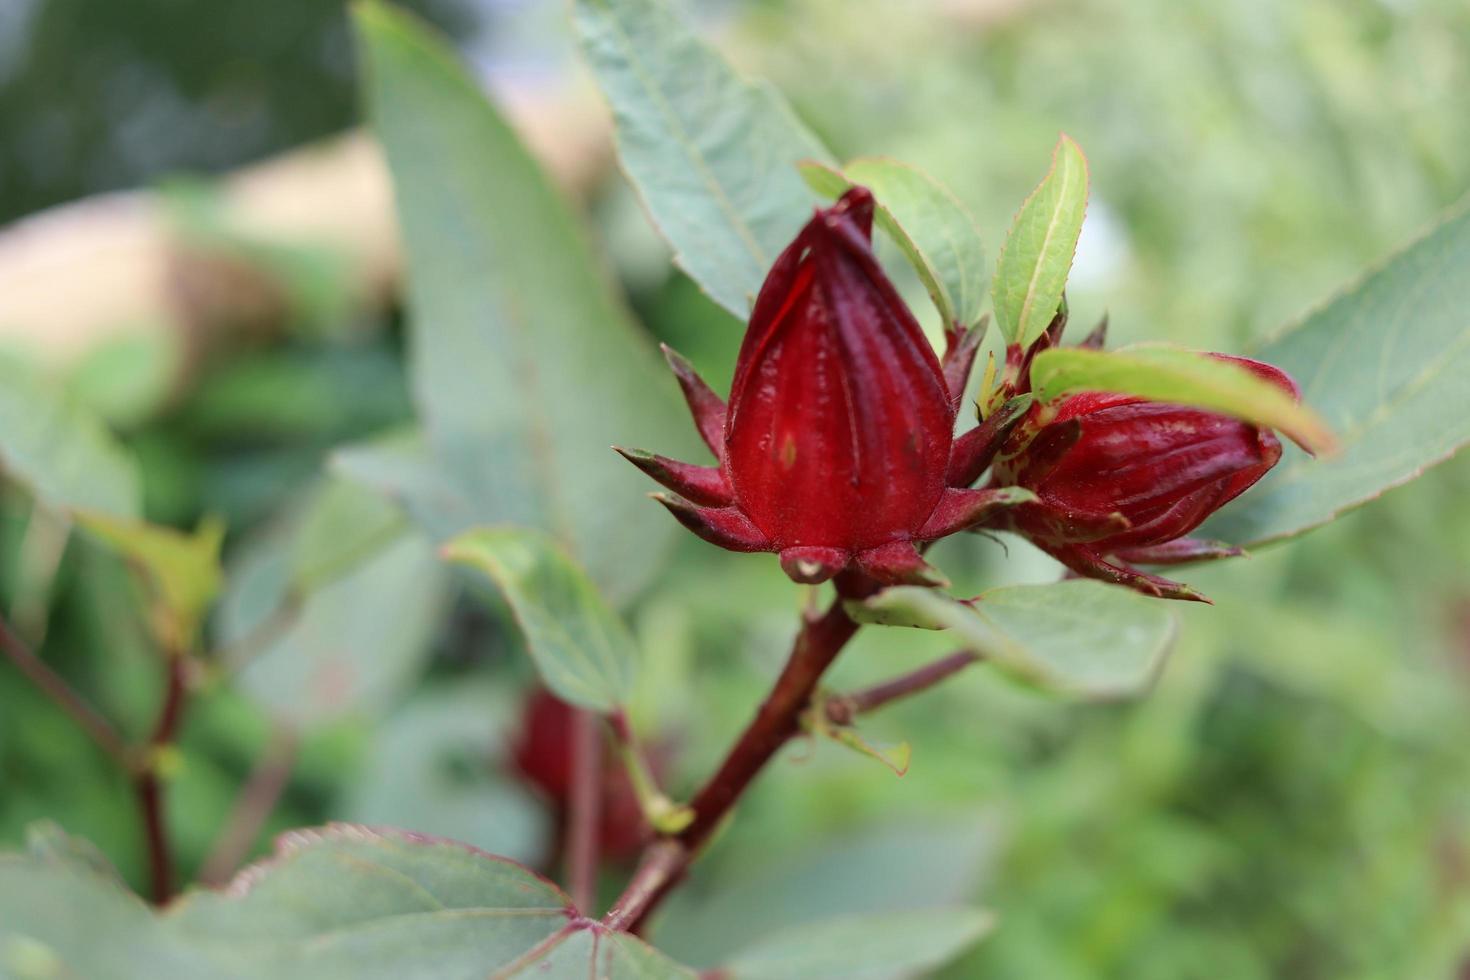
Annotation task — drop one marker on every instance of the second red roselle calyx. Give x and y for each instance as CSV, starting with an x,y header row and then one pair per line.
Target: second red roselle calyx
x,y
1119,479
837,447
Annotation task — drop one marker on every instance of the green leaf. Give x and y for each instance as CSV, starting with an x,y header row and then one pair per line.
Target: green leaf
x,y
1032,271
712,156
438,764
515,329
344,525
922,862
582,650
61,451
400,466
1173,374
864,947
1077,638
895,757
182,570
1386,363
927,222
326,628
342,902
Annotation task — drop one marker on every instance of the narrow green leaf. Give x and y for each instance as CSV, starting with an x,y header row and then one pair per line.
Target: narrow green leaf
x,y
61,451
928,223
1032,271
712,156
1077,638
864,947
341,902
895,757
514,326
183,570
1387,363
583,651
1172,374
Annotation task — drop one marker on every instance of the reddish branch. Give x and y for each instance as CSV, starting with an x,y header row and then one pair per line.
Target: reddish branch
x,y
845,709
142,763
149,784
585,806
256,802
778,719
64,695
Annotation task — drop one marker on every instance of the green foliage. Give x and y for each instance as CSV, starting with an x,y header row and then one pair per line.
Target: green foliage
x,y
182,570
1289,800
524,369
581,648
331,613
1078,638
870,947
712,156
61,451
1186,377
926,865
1031,273
928,224
1385,363
343,901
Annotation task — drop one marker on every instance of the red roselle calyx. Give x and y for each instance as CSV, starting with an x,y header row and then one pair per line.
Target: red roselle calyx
x,y
1120,479
837,448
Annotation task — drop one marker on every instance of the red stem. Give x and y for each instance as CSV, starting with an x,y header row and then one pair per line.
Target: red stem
x,y
778,719
585,806
64,695
149,786
842,710
257,800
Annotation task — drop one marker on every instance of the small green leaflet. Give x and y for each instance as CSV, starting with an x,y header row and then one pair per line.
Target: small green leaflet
x,y
1032,271
183,570
1172,374
582,650
1077,638
928,223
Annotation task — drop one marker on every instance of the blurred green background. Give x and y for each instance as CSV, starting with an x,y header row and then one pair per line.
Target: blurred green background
x,y
1293,800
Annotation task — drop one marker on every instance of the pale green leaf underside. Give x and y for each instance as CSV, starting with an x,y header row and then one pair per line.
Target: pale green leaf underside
x,y
1387,364
514,327
61,451
927,222
357,639
712,155
1173,374
1077,637
923,861
340,903
864,947
1031,273
355,594
582,650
